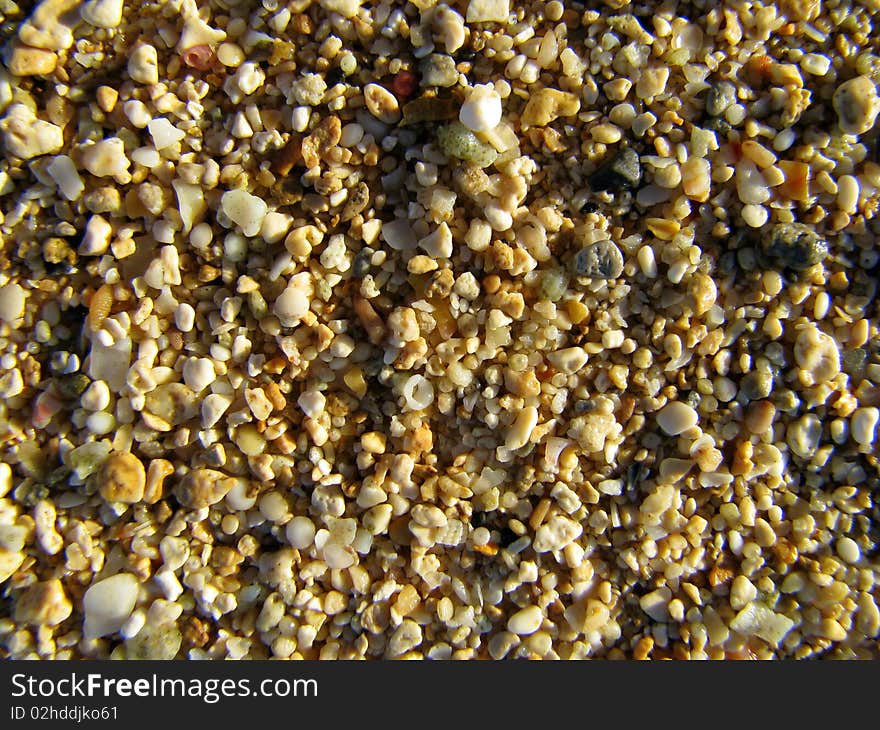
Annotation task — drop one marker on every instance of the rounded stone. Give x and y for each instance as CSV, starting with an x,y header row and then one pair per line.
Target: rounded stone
x,y
122,478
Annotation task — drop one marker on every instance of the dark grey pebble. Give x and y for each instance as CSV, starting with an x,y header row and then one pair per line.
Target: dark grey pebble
x,y
600,260
621,172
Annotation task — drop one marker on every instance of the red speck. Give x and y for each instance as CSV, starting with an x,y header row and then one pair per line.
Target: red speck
x,y
199,57
736,149
405,84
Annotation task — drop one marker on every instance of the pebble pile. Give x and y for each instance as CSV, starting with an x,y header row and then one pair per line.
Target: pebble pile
x,y
439,329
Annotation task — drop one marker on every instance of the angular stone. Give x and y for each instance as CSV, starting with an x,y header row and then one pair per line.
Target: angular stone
x,y
621,172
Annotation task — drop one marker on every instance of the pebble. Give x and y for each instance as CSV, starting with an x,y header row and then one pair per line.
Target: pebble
x,y
456,140
26,137
569,359
43,604
438,243
27,61
793,246
143,64
172,403
521,429
488,11
213,407
293,303
346,8
481,110
96,239
759,416
526,621
102,13
45,29
107,158
742,592
64,173
418,393
656,604
863,425
600,260
756,619
244,210
817,355
556,533
199,373
622,172
164,133
676,418
312,403
122,478
202,488
300,532
12,300
185,317
449,27
719,97
96,397
438,69
405,638
108,604
157,641
857,104
548,104
848,550
382,104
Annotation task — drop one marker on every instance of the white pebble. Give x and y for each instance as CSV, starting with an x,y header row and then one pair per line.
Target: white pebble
x,y
438,243
107,605
750,183
848,550
848,190
102,13
198,373
26,136
481,110
338,557
143,64
63,172
755,216
300,532
12,298
107,159
96,239
418,393
96,397
521,429
245,210
526,621
863,425
100,423
312,403
293,303
184,317
137,113
677,417
164,133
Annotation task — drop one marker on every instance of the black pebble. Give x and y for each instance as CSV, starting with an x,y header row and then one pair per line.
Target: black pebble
x,y
621,172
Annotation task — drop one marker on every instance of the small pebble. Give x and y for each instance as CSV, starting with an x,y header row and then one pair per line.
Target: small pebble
x,y
481,110
677,417
43,604
622,172
600,260
857,104
122,478
526,621
107,605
